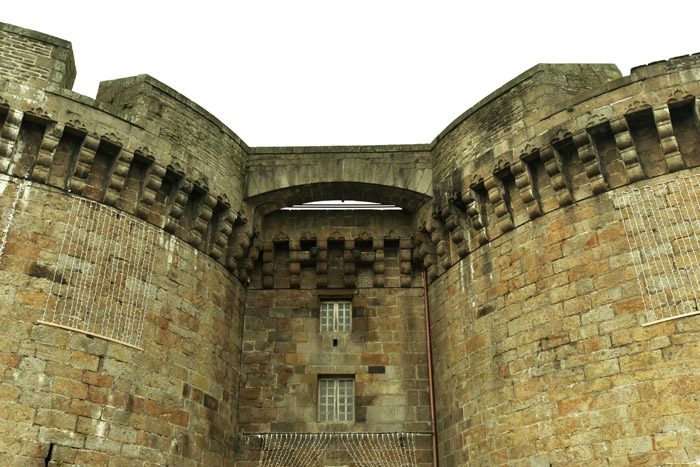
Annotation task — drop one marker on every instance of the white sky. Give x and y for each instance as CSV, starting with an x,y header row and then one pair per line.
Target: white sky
x,y
310,73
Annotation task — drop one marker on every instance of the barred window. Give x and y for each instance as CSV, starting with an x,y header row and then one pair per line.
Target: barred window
x,y
336,399
336,316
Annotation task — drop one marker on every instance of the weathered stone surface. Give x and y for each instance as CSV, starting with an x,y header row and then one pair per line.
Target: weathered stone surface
x,y
539,350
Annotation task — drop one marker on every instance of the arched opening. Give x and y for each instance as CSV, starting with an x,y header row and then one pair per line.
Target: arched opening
x,y
342,205
275,200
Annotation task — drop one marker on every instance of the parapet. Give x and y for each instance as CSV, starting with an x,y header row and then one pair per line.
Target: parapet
x,y
543,84
36,59
148,100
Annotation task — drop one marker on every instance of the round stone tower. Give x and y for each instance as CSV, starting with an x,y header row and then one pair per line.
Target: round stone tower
x,y
159,308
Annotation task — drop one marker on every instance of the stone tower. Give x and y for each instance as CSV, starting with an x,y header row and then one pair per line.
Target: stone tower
x,y
159,308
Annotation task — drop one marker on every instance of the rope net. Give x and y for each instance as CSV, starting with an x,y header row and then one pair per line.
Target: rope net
x,y
661,224
346,449
103,274
8,223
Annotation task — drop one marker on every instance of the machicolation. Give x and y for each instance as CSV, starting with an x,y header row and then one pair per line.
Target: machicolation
x,y
159,308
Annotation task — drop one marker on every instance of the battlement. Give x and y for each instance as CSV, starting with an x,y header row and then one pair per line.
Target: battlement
x,y
554,135
550,234
182,121
35,59
528,92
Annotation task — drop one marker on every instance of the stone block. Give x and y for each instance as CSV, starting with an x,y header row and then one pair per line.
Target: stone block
x,y
55,419
62,437
97,379
73,389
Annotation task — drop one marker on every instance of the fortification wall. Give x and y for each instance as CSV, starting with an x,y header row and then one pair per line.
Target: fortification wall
x,y
539,297
542,356
312,257
508,116
95,150
565,314
36,59
68,397
398,175
123,253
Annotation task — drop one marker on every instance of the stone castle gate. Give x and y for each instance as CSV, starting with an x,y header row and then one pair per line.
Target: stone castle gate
x,y
159,308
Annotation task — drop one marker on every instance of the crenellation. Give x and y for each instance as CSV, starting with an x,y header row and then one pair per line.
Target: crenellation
x,y
42,166
81,169
669,145
552,166
117,177
520,217
684,119
179,195
527,185
591,163
642,127
8,137
627,149
35,58
474,198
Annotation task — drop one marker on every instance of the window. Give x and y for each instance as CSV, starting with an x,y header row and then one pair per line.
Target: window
x,y
336,399
336,317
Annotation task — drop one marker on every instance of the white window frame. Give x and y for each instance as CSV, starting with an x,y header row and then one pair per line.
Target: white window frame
x,y
336,399
335,316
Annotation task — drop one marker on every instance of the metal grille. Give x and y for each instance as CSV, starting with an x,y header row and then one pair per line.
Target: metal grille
x,y
346,400
13,210
336,399
661,223
336,317
102,279
326,400
363,449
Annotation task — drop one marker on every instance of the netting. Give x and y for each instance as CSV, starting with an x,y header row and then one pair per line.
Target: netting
x,y
364,449
385,449
661,223
11,215
103,274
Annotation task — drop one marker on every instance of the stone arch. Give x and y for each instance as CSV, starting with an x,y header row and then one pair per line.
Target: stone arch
x,y
399,175
274,200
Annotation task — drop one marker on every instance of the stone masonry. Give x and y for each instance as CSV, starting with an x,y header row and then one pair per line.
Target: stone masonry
x,y
521,218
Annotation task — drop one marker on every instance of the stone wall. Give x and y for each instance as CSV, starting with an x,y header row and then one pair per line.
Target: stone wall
x,y
537,313
513,109
94,150
285,353
356,256
398,175
544,352
35,59
547,360
72,398
182,134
